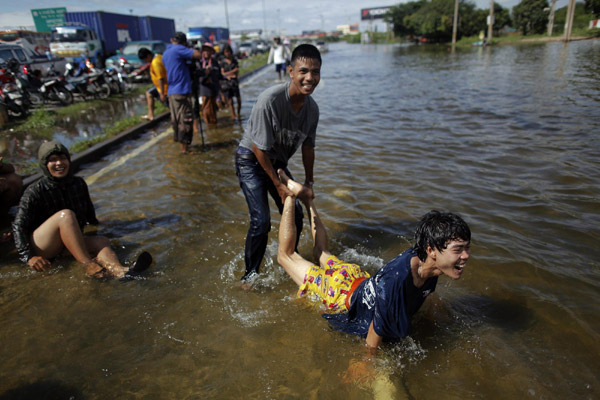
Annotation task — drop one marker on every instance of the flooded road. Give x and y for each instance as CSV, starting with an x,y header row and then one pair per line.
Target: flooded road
x,y
504,136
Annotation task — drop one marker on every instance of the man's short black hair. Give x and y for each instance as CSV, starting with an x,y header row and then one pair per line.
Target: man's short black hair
x,y
144,53
180,38
437,229
306,51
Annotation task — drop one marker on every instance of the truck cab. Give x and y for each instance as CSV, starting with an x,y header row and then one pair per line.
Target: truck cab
x,y
76,43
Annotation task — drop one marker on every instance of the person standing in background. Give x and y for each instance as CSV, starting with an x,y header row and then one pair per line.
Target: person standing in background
x,y
180,88
158,74
278,55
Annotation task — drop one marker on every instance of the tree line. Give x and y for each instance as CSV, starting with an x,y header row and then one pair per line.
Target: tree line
x,y
433,19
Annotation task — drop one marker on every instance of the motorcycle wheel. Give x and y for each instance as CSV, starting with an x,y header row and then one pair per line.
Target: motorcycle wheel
x,y
115,88
36,99
104,91
63,95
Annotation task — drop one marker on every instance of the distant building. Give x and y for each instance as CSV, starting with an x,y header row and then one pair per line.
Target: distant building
x,y
348,29
313,34
246,33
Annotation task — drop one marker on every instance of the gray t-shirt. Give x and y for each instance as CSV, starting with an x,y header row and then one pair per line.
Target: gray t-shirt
x,y
274,127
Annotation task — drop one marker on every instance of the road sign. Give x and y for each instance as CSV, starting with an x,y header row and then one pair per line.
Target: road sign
x,y
47,18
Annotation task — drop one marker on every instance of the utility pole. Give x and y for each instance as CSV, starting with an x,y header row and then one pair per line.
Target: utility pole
x,y
491,23
569,21
551,18
455,23
264,20
226,15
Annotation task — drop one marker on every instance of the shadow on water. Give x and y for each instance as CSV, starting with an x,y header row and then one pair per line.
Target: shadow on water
x,y
43,390
214,146
509,315
118,228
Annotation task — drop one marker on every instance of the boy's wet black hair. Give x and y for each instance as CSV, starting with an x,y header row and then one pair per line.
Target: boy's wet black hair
x,y
143,53
306,51
436,229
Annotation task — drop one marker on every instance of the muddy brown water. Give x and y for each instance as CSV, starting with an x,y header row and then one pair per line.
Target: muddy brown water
x,y
505,136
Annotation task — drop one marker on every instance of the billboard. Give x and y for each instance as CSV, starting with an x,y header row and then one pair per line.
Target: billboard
x,y
367,14
47,18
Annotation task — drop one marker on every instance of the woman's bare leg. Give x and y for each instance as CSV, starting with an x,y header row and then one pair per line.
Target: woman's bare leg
x,y
59,231
106,256
319,234
62,231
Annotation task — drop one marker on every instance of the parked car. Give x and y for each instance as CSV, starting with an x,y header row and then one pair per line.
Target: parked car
x,y
322,46
247,49
23,56
262,46
130,52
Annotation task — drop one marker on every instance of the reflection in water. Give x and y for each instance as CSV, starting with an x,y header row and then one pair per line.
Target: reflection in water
x,y
504,136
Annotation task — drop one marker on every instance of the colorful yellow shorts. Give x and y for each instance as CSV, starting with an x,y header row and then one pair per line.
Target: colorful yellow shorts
x,y
331,286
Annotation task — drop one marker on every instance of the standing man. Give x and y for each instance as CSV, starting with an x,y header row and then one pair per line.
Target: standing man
x,y
284,118
175,60
158,74
278,55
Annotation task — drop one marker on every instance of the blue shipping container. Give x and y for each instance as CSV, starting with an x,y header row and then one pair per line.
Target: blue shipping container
x,y
218,34
113,29
155,28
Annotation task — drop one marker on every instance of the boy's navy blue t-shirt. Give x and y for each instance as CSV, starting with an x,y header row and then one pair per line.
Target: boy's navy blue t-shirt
x,y
389,299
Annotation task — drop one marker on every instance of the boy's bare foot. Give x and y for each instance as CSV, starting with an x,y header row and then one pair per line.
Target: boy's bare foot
x,y
300,191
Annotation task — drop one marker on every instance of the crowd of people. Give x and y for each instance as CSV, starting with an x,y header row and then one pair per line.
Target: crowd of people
x,y
53,211
195,82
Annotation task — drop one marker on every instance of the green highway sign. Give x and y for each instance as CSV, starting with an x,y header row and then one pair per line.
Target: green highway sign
x,y
47,18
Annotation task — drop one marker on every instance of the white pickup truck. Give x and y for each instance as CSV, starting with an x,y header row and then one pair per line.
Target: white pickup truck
x,y
8,51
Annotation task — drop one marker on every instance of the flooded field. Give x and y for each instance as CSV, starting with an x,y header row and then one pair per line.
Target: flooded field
x,y
505,136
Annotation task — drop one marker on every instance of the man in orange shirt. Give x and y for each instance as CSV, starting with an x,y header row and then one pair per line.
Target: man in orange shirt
x,y
158,74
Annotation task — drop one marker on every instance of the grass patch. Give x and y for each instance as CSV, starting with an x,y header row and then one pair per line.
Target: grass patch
x,y
112,130
251,63
42,122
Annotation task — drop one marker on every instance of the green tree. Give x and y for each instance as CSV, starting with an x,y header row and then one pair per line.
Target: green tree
x,y
398,15
593,7
529,16
434,19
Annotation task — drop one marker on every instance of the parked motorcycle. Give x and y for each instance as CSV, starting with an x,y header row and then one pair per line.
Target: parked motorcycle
x,y
11,94
24,86
115,80
87,84
97,81
57,90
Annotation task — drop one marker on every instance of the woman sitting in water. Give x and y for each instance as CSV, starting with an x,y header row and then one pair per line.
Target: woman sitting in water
x,y
52,214
378,307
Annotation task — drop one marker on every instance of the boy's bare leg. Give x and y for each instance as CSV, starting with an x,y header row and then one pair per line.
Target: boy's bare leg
x,y
150,101
319,234
292,262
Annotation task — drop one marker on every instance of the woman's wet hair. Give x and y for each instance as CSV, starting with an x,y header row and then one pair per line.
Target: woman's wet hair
x,y
306,51
437,229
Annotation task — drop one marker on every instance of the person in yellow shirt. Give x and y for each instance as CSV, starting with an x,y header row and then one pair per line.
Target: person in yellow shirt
x,y
158,74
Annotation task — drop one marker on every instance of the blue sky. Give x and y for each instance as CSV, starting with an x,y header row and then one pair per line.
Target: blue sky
x,y
286,17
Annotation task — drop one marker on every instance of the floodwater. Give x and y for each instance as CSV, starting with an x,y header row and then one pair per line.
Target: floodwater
x,y
20,148
505,136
